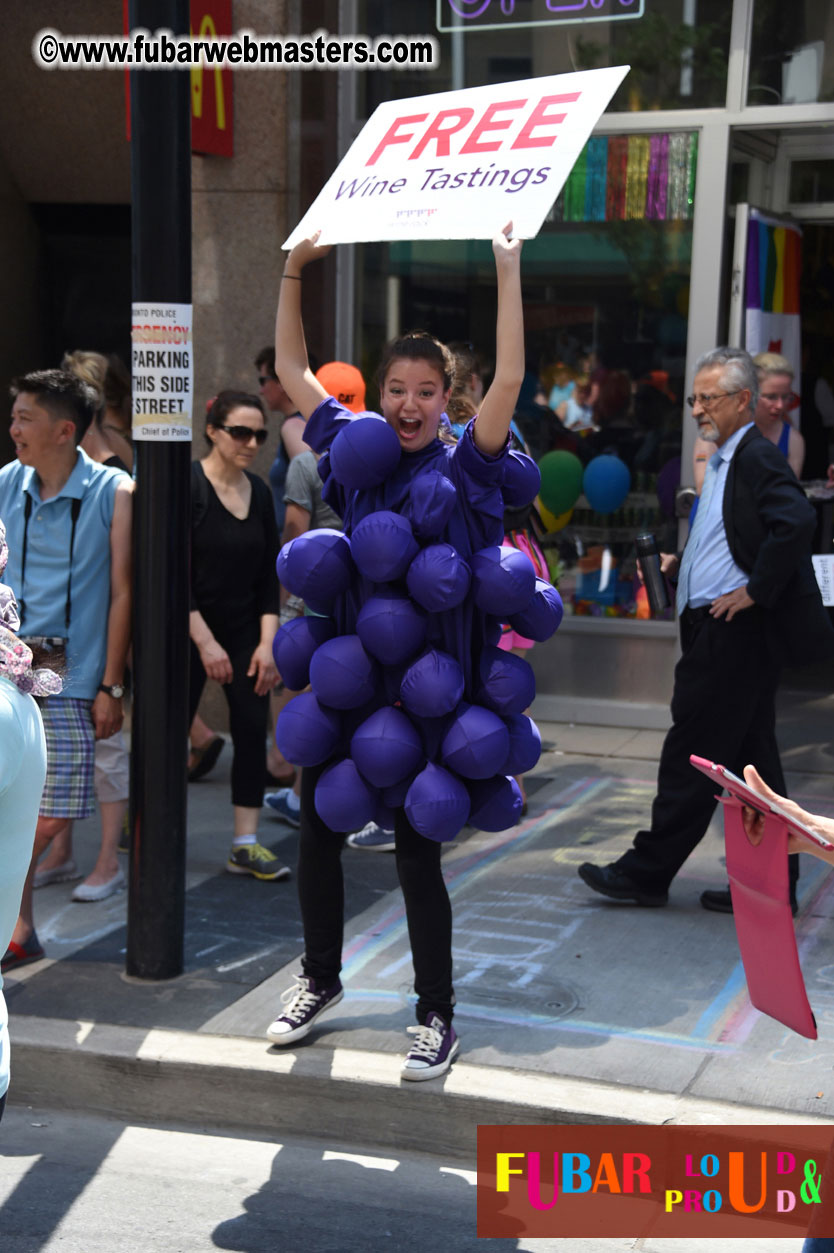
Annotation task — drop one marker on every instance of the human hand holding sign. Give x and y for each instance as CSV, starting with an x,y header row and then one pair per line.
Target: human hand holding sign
x,y
754,821
303,253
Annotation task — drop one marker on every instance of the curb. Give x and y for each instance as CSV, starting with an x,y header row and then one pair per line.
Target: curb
x,y
357,1096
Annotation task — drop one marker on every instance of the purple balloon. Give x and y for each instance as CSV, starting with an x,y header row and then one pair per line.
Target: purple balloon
x,y
667,484
391,628
503,580
492,630
294,645
307,734
433,685
541,616
386,747
430,504
438,578
506,682
365,452
522,480
385,816
316,566
476,744
437,804
344,801
525,745
394,797
383,546
342,675
496,803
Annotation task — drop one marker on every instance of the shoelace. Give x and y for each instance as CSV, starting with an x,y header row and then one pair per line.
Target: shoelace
x,y
428,1041
299,1000
262,854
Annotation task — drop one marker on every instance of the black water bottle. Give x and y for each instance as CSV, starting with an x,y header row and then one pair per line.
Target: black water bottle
x,y
653,578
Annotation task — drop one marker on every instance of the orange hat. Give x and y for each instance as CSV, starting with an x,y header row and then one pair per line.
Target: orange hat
x,y
345,383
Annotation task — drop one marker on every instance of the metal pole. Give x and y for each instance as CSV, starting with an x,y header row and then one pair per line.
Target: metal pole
x,y
161,199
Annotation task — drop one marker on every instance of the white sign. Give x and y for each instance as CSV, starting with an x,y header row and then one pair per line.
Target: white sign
x,y
461,164
824,570
162,368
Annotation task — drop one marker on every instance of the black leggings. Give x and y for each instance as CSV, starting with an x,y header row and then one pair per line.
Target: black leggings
x,y
427,907
247,721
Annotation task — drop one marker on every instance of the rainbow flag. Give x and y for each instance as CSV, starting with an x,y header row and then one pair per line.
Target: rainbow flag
x,y
771,289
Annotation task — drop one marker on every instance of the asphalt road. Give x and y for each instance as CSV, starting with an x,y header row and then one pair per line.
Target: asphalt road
x,y
71,1183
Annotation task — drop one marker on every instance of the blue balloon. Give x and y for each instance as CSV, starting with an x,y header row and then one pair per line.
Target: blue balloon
x,y
541,617
496,803
522,480
342,675
387,747
506,683
437,804
293,647
606,483
391,628
433,685
503,580
344,801
383,546
525,745
476,744
307,734
365,452
438,578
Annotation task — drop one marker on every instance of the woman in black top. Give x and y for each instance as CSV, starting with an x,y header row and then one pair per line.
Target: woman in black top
x,y
235,607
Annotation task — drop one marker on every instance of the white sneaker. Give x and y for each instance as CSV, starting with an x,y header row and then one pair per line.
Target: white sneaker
x,y
373,837
434,1050
305,1002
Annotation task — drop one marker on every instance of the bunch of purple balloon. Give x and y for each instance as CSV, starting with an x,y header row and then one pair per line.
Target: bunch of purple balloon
x,y
385,691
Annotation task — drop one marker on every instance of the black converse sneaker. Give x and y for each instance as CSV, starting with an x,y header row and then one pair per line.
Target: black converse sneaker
x,y
305,1001
434,1050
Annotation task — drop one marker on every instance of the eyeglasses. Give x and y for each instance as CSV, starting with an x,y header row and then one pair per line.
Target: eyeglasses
x,y
243,434
263,379
705,400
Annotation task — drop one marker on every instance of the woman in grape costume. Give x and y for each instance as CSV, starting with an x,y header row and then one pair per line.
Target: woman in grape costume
x,y
404,671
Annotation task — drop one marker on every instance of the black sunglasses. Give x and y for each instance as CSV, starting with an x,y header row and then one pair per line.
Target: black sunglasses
x,y
266,378
244,433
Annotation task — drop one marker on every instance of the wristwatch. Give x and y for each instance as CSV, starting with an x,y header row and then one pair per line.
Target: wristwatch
x,y
116,690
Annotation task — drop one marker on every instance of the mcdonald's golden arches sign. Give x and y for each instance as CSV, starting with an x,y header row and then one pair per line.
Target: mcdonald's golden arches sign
x,y
212,92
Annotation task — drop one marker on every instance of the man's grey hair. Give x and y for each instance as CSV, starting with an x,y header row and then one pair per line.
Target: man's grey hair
x,y
738,371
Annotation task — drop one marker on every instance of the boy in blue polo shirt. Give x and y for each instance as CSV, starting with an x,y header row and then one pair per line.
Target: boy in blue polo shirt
x,y
68,521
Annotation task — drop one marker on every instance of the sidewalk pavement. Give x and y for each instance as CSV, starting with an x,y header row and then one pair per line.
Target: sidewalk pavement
x,y
570,1008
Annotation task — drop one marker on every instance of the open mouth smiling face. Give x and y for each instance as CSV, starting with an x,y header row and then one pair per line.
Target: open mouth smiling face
x,y
413,398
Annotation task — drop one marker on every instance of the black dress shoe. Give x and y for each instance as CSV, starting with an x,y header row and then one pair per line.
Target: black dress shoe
x,y
721,902
611,882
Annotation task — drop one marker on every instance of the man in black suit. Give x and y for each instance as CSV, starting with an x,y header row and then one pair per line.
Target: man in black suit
x,y
747,601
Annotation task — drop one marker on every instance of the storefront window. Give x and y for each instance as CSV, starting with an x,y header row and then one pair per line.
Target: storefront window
x,y
606,286
789,61
677,50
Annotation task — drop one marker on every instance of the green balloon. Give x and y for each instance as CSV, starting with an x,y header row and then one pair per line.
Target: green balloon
x,y
561,487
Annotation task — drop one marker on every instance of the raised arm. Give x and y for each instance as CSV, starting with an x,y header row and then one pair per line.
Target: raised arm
x,y
498,405
291,364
